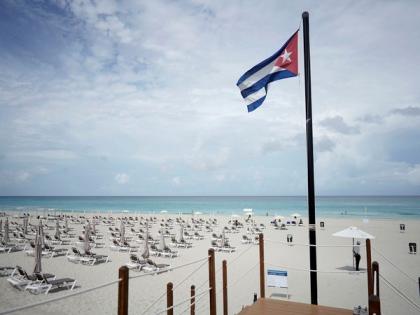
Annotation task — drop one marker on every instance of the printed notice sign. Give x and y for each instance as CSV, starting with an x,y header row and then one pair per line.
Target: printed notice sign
x,y
277,278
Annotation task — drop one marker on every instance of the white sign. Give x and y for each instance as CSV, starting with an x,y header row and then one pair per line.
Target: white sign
x,y
277,278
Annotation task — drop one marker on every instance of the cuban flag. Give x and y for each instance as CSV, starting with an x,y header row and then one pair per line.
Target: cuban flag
x,y
283,64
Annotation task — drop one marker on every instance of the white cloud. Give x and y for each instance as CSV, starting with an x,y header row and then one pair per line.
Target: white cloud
x,y
122,178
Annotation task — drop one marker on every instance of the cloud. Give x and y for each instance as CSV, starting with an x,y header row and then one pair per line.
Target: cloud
x,y
371,119
122,178
407,111
324,144
337,124
176,181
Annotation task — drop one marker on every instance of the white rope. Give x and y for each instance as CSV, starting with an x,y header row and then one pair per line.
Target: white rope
x,y
311,245
167,269
21,308
401,294
188,276
394,265
310,270
230,263
183,301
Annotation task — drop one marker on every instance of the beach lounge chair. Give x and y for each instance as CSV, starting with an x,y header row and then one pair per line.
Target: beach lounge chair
x,y
412,247
289,239
402,228
246,239
152,266
136,263
43,284
198,236
19,278
6,271
6,248
53,252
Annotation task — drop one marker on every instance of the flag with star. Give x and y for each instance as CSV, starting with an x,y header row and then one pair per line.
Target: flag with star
x,y
283,64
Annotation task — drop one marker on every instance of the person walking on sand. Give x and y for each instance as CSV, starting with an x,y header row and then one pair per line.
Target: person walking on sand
x,y
356,254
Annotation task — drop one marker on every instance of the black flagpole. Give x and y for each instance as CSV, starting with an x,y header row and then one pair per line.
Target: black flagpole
x,y
310,159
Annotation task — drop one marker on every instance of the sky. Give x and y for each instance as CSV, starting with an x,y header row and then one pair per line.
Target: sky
x,y
140,98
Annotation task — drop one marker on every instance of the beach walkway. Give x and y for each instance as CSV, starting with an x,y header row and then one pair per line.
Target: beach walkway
x,y
268,306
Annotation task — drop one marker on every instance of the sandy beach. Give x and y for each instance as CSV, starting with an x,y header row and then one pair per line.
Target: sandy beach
x,y
337,285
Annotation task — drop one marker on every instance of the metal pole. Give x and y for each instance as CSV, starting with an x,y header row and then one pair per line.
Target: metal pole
x,y
123,291
225,292
310,160
262,275
192,307
169,298
212,282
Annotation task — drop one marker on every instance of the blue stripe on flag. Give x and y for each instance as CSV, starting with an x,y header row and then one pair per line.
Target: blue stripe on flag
x,y
263,63
267,79
253,106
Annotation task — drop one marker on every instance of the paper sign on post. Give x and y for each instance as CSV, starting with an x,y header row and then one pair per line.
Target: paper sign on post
x,y
277,278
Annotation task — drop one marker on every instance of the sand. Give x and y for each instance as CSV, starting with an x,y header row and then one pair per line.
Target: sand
x,y
344,289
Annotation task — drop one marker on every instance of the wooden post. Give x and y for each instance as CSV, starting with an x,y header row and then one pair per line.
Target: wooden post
x,y
262,271
192,307
374,299
225,292
212,282
123,291
169,298
369,267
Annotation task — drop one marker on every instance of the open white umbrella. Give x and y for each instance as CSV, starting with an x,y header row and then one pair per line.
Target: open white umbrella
x,y
247,210
353,232
295,215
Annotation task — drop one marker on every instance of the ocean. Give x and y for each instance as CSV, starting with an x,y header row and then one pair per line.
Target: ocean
x,y
356,206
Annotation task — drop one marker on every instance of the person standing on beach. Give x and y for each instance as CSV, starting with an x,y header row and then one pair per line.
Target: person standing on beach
x,y
356,254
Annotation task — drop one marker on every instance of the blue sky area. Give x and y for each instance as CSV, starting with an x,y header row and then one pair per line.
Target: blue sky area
x,y
139,98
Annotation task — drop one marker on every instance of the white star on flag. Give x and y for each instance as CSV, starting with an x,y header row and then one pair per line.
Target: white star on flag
x,y
286,56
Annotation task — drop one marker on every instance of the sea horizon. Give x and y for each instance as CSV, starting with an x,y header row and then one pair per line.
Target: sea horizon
x,y
326,206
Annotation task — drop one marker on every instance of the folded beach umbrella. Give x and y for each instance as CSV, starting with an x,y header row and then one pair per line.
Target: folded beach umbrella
x,y
181,233
57,229
1,226
223,237
25,225
162,244
94,226
38,249
86,246
6,231
66,225
122,232
145,253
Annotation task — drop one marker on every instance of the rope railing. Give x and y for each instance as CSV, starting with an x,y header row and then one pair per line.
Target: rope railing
x,y
320,271
151,273
180,283
394,265
239,255
399,293
310,245
194,303
55,299
184,301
